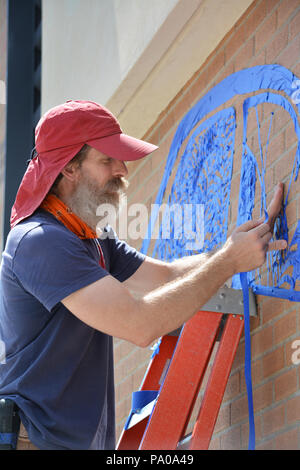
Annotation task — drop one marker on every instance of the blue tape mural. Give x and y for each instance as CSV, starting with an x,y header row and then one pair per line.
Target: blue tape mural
x,y
202,182
277,262
204,177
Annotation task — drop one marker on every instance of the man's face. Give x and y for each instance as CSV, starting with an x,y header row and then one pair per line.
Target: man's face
x,y
101,180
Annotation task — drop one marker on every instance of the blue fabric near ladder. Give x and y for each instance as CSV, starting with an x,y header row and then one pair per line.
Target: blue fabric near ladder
x,y
8,438
140,399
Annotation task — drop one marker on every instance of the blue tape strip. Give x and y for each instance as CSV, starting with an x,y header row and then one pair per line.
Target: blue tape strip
x,y
155,348
248,375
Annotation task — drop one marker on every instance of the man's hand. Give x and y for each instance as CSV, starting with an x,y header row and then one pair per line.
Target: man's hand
x,y
248,244
275,206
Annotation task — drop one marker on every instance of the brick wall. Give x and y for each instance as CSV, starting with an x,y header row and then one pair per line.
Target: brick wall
x,y
268,32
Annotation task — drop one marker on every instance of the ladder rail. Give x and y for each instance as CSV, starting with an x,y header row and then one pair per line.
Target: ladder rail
x,y
169,419
130,438
215,389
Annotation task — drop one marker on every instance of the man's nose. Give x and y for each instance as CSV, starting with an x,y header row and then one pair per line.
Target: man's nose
x,y
119,168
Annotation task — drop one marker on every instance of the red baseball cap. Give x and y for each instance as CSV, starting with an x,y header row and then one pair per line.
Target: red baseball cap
x,y
59,135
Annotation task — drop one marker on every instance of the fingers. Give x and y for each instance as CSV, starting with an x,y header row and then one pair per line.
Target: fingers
x,y
262,229
277,245
266,238
276,203
249,225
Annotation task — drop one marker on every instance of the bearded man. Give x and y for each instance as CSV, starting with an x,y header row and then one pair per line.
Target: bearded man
x,y
67,291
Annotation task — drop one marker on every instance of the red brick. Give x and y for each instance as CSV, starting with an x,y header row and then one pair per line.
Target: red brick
x,y
233,386
283,167
263,396
215,444
252,120
286,9
286,384
244,55
288,440
256,17
122,349
264,32
291,213
199,87
227,70
215,66
291,139
273,307
167,123
276,147
277,45
265,445
293,410
273,420
273,362
239,409
223,420
237,38
181,108
285,327
295,26
262,341
232,439
290,55
280,119
272,4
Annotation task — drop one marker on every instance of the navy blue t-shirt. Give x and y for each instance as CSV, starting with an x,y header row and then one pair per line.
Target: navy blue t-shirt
x,y
57,369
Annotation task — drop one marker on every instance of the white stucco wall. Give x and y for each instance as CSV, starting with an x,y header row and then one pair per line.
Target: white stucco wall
x,y
89,46
133,56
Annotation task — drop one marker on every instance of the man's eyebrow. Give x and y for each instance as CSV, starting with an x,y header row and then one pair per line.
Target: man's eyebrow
x,y
105,157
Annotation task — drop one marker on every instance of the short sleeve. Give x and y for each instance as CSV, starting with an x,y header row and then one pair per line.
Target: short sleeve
x,y
124,259
51,263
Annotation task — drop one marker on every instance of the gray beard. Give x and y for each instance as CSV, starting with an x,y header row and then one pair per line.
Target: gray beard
x,y
87,198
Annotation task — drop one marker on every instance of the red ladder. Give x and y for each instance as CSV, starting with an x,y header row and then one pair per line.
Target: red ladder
x,y
186,359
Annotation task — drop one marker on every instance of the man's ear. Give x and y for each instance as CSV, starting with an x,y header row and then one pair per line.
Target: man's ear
x,y
71,172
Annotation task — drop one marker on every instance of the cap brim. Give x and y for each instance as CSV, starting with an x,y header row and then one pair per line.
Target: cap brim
x,y
123,147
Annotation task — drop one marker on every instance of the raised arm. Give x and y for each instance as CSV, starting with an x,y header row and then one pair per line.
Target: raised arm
x,y
108,305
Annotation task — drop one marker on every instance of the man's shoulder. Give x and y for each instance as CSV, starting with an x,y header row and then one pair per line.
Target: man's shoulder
x,y
38,227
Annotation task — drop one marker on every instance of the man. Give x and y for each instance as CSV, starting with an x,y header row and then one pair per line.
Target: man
x,y
66,293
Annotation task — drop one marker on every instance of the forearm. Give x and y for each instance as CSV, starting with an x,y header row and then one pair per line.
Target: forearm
x,y
181,267
167,308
